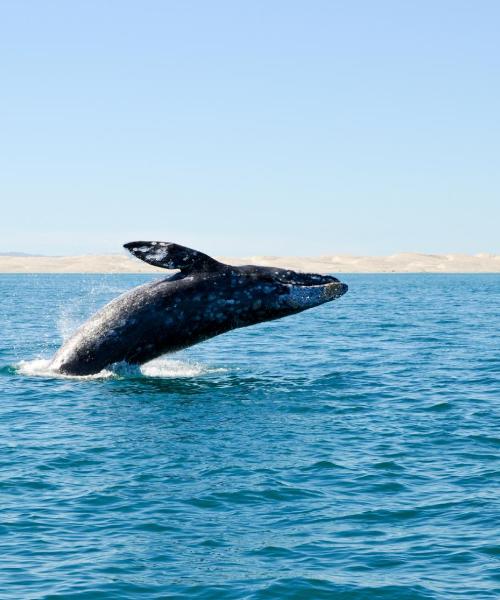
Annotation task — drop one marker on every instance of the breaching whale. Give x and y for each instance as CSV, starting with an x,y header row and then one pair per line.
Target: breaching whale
x,y
203,299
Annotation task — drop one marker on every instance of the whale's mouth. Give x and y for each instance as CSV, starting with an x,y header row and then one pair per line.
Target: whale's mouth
x,y
295,278
335,290
306,290
328,289
313,280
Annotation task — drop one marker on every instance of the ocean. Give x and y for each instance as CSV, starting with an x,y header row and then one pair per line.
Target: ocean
x,y
348,452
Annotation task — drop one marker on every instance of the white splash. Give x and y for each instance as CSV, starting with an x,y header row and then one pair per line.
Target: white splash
x,y
159,368
40,367
169,367
68,322
81,308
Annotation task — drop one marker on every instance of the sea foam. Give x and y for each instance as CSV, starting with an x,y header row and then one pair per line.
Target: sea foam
x,y
158,368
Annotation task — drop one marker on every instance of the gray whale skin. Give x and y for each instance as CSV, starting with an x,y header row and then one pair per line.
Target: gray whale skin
x,y
203,299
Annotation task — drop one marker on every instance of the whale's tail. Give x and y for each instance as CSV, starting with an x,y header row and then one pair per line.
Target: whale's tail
x,y
173,256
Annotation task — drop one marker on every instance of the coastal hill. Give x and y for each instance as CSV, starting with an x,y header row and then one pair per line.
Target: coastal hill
x,y
406,262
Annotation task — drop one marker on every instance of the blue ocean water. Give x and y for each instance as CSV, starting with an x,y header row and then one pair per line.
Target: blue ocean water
x,y
351,451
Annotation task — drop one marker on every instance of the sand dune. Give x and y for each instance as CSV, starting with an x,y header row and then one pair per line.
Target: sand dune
x,y
406,262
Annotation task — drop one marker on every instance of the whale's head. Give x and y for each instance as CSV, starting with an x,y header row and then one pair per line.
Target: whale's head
x,y
270,293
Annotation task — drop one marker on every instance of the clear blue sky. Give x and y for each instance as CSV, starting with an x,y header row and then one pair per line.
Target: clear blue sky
x,y
256,127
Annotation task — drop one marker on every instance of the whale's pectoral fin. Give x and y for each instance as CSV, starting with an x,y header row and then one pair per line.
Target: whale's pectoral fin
x,y
173,256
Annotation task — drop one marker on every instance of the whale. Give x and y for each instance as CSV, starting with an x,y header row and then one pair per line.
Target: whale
x,y
203,298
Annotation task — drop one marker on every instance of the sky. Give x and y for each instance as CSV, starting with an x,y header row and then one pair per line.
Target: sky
x,y
253,127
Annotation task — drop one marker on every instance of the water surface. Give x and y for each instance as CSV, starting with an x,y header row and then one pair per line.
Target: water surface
x,y
351,451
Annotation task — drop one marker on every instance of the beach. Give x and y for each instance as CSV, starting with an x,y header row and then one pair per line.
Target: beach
x,y
404,262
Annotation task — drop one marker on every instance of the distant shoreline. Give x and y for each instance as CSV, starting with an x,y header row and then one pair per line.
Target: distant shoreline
x,y
397,263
